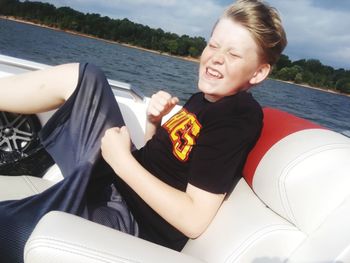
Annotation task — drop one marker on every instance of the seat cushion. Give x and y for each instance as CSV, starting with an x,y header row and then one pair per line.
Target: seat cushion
x,y
245,230
309,179
18,187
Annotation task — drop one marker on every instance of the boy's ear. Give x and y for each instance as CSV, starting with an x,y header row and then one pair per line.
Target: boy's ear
x,y
261,74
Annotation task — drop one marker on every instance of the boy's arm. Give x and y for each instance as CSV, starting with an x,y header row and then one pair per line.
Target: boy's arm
x,y
190,212
38,91
161,103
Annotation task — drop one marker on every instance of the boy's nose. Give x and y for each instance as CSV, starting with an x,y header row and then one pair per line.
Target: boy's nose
x,y
218,57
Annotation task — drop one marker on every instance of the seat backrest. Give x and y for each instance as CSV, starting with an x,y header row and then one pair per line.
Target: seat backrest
x,y
299,178
301,165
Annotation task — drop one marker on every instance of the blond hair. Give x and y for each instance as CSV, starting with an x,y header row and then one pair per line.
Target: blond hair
x,y
264,24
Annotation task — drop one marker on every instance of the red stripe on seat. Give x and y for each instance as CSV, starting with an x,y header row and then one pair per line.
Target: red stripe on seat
x,y
277,125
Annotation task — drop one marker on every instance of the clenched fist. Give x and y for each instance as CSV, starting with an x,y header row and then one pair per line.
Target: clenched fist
x,y
161,104
115,146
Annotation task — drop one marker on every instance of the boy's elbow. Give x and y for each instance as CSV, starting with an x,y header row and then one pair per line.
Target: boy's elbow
x,y
196,220
194,231
194,235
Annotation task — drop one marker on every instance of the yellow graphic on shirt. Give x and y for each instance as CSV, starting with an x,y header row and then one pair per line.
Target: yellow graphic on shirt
x,y
183,129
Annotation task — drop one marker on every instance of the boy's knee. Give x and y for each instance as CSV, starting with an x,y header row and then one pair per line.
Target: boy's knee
x,y
94,73
92,79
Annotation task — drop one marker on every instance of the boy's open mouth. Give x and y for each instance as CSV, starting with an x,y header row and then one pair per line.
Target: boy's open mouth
x,y
213,73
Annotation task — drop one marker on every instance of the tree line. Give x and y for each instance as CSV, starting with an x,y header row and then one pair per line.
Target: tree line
x,y
311,72
120,30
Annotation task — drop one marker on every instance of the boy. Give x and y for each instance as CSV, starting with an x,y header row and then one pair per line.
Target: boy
x,y
171,189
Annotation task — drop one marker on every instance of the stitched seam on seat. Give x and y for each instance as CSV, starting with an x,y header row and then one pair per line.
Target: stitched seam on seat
x,y
251,239
286,172
74,252
30,184
71,247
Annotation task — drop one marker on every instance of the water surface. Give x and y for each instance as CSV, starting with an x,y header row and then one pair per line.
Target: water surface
x,y
150,72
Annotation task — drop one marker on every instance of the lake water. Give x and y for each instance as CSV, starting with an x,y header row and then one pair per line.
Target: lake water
x,y
150,72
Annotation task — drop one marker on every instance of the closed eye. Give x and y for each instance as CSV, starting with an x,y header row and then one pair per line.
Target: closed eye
x,y
234,55
212,45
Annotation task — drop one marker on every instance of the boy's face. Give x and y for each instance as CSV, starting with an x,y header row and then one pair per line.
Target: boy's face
x,y
229,63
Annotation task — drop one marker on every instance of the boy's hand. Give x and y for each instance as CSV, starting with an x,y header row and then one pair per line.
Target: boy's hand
x,y
115,146
161,104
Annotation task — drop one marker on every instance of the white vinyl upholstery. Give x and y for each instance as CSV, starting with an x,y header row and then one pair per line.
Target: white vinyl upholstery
x,y
299,211
18,187
309,180
134,117
245,230
62,237
330,242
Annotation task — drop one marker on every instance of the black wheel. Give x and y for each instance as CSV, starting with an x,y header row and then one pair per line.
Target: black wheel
x,y
19,143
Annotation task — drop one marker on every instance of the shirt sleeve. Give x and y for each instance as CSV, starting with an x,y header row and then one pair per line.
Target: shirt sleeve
x,y
220,153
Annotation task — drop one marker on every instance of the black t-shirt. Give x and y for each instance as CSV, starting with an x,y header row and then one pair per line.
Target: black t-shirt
x,y
204,144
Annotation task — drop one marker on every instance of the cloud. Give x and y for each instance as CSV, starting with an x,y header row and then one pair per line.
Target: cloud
x,y
315,31
339,5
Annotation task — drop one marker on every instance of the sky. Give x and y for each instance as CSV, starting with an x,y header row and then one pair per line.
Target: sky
x,y
318,29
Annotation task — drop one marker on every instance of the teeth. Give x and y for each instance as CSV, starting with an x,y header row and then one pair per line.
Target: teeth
x,y
214,73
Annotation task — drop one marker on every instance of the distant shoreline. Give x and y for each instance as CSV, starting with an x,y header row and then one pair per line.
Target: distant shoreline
x,y
153,51
311,87
11,18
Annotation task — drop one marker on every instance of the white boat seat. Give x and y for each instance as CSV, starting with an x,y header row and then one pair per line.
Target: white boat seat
x,y
293,205
18,187
297,205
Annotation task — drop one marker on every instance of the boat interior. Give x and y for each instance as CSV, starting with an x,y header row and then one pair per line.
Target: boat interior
x,y
291,205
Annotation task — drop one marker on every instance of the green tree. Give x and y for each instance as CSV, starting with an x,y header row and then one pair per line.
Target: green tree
x,y
9,7
172,46
298,78
194,52
343,85
300,63
283,62
307,76
313,65
289,73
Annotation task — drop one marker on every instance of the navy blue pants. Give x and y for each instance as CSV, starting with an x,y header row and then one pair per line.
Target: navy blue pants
x,y
72,137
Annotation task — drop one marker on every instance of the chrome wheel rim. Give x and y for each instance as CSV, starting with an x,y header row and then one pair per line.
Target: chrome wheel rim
x,y
16,132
